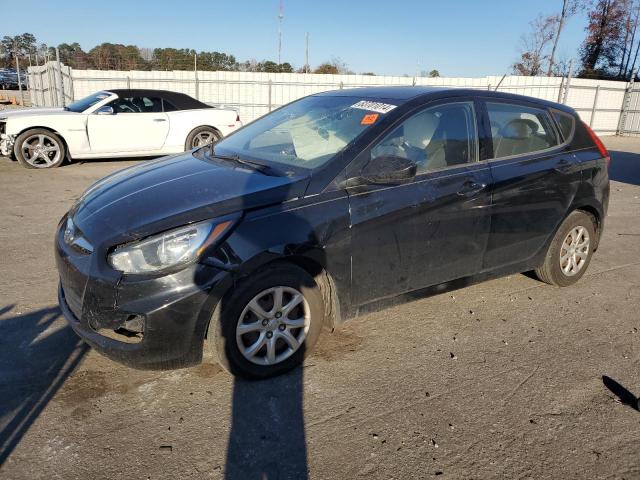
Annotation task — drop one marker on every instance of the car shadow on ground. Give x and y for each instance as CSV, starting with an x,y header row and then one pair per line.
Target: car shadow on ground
x,y
35,361
110,160
624,396
625,167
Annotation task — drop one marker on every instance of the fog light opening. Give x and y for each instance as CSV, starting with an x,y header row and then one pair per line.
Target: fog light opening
x,y
130,331
134,324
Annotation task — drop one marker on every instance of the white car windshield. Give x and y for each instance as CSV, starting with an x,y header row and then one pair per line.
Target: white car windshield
x,y
306,133
83,104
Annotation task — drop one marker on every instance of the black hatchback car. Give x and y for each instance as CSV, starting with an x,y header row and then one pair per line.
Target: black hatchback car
x,y
307,216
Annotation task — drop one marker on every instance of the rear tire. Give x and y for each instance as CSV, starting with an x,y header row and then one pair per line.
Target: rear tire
x,y
570,251
236,329
201,136
39,148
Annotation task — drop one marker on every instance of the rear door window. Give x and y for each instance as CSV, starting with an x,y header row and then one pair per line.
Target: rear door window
x,y
518,129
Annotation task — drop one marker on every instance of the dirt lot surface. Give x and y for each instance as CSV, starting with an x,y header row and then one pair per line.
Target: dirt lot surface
x,y
509,378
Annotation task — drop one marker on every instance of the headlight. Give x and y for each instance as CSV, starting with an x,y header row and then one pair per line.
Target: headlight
x,y
170,249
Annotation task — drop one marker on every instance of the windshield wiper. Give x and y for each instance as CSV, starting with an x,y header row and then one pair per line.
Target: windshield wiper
x,y
260,167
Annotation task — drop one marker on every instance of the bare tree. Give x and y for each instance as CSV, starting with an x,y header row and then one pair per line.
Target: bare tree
x,y
569,8
632,69
631,27
534,44
600,49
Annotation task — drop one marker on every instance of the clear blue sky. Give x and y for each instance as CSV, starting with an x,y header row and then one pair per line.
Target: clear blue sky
x,y
459,38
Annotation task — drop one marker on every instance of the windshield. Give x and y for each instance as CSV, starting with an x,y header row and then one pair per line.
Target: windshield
x,y
306,133
81,105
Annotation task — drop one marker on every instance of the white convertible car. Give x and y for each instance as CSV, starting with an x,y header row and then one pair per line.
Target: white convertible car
x,y
113,123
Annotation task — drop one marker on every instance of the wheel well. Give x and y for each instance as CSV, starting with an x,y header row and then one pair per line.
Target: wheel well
x,y
597,221
66,147
208,126
325,283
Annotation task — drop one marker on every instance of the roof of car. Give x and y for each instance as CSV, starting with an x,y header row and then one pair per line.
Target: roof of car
x,y
406,93
180,100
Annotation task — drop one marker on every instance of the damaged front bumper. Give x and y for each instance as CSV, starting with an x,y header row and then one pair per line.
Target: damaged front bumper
x,y
6,144
149,323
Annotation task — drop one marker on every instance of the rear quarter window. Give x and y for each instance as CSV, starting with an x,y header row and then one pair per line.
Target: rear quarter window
x,y
168,106
566,123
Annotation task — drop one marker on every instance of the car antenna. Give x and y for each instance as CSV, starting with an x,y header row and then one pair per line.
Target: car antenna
x,y
499,83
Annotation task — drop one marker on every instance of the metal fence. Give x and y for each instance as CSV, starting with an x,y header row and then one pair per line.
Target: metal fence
x,y
609,107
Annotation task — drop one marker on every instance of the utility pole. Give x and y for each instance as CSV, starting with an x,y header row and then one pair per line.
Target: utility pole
x,y
306,53
280,17
59,80
195,75
19,80
568,82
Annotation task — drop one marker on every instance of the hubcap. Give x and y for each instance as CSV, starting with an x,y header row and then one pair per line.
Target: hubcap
x,y
574,251
203,138
273,325
40,151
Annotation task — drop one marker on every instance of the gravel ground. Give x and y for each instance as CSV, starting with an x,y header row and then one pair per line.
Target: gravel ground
x,y
8,106
509,378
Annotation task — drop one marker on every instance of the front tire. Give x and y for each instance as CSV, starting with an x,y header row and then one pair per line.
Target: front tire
x,y
201,136
268,323
39,148
570,251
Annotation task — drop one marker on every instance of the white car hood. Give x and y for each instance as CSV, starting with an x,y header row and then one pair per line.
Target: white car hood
x,y
26,112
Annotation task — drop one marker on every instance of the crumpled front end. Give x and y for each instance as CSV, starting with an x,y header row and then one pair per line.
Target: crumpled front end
x,y
6,141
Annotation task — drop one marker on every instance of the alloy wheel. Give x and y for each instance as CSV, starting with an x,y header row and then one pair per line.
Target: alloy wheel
x,y
203,138
574,251
273,325
41,151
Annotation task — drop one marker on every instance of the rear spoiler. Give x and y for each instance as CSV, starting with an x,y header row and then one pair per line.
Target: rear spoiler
x,y
222,106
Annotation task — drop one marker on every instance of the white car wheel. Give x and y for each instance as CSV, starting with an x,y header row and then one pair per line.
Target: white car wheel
x,y
39,148
202,136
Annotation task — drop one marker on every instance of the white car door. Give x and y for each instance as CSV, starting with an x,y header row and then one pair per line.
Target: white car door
x,y
137,124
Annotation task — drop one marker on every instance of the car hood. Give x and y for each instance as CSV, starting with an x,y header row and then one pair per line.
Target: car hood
x,y
26,112
173,191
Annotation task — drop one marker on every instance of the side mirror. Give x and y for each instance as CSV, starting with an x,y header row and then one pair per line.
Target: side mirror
x,y
385,170
105,110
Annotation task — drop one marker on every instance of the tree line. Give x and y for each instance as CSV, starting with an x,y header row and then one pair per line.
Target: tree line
x,y
609,50
112,56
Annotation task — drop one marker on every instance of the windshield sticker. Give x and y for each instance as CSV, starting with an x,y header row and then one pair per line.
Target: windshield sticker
x,y
374,106
369,119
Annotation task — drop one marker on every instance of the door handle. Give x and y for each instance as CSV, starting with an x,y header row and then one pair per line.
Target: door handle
x,y
470,187
159,119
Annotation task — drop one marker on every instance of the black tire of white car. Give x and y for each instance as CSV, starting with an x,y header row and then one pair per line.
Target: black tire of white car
x,y
200,133
224,338
44,143
577,230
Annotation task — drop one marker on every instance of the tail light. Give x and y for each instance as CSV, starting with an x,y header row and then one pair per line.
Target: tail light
x,y
237,121
599,145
